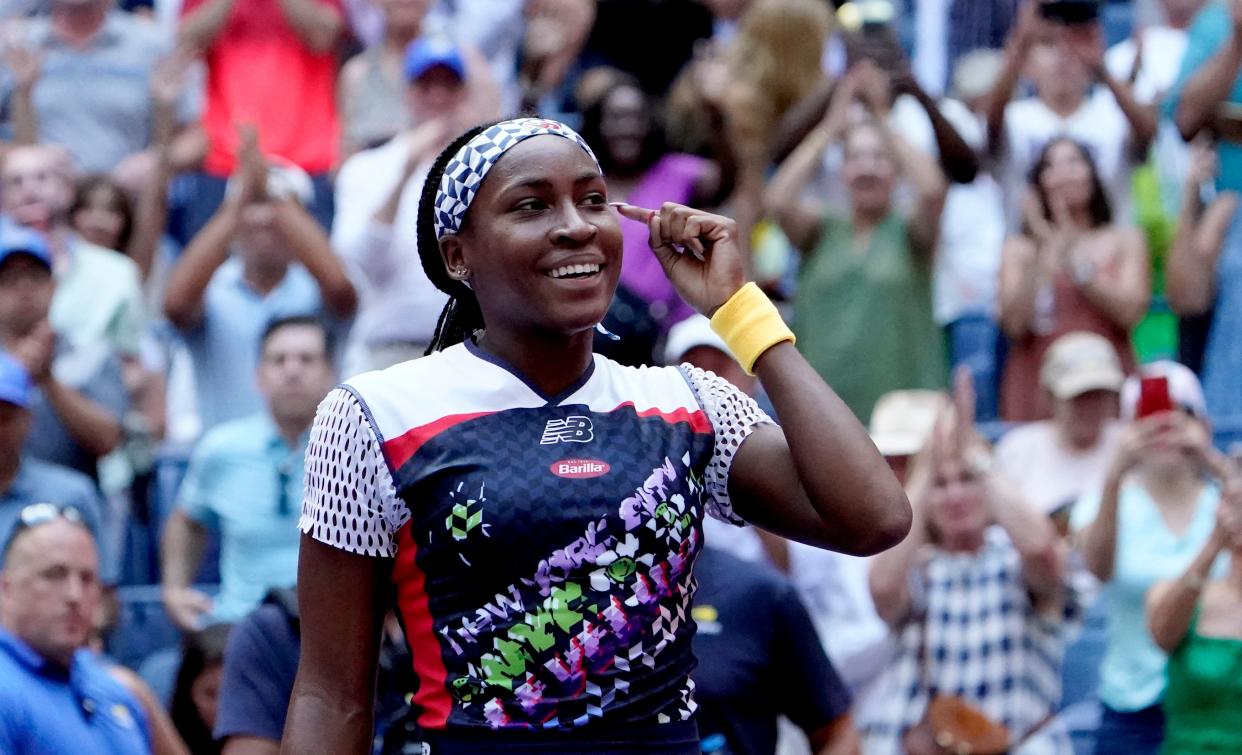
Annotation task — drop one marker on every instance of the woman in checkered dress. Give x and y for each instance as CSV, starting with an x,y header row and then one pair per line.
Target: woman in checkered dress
x,y
980,597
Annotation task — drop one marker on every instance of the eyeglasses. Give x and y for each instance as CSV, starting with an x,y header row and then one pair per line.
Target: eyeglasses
x,y
36,514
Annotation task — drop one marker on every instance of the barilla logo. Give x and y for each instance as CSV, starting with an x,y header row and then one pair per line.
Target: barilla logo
x,y
579,469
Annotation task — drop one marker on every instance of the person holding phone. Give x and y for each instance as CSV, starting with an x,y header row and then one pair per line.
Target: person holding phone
x,y
1156,510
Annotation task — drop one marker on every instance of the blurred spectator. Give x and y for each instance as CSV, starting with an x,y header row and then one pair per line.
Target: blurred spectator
x,y
377,194
1209,87
245,483
260,258
1154,513
256,680
98,291
759,658
972,228
55,695
373,82
868,273
980,595
1195,619
104,216
834,586
1071,269
261,663
1053,462
945,31
622,125
271,64
196,697
1205,278
83,80
1150,61
128,211
668,30
25,481
1064,62
79,397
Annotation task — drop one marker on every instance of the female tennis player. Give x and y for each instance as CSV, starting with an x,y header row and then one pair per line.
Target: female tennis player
x,y
532,511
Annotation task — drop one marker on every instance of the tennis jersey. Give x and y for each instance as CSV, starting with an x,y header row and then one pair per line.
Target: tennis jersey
x,y
542,545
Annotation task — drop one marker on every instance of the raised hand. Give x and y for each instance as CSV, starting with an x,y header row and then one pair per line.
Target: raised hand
x,y
1203,164
24,64
168,77
874,88
35,351
1086,42
251,166
699,252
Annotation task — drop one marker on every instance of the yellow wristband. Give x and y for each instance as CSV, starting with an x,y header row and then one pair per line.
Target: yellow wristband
x,y
750,325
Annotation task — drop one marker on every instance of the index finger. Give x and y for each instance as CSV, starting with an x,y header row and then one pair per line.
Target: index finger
x,y
633,212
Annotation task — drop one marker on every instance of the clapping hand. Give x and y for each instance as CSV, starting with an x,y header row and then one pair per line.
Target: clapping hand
x,y
24,64
251,166
699,251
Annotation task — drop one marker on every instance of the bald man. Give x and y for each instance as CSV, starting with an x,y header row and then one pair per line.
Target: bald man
x,y
55,696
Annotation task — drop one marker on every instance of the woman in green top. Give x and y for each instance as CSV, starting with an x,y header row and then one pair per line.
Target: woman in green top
x,y
863,312
1199,623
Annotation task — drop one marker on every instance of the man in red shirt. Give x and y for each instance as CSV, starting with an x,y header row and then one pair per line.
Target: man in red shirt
x,y
271,63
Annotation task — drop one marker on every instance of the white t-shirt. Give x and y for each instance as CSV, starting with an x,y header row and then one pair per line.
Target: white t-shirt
x,y
1048,474
972,228
1163,48
398,302
1099,124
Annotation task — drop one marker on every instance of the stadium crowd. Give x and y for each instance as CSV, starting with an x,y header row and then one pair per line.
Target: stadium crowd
x,y
1006,232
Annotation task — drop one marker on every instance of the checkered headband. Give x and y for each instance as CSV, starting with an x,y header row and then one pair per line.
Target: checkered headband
x,y
464,173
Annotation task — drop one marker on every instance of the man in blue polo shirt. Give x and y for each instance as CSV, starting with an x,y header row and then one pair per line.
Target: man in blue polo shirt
x,y
245,483
55,696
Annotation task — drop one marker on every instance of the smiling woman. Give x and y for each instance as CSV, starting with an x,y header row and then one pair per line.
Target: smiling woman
x,y
534,510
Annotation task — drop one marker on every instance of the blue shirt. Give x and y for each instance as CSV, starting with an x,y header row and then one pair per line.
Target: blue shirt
x,y
48,710
1132,672
40,482
1206,36
257,678
759,658
233,485
225,345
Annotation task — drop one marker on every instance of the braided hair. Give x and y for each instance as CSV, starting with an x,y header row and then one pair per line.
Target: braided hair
x,y
461,317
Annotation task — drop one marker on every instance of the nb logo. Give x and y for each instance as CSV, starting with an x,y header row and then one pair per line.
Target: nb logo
x,y
568,430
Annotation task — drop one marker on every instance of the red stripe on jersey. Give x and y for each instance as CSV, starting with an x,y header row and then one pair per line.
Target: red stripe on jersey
x,y
697,419
400,449
432,696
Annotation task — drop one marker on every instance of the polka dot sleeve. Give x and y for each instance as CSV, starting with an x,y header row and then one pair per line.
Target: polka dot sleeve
x,y
734,416
350,500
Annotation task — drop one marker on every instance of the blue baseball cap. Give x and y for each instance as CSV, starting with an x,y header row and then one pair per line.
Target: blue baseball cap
x,y
14,381
428,52
16,239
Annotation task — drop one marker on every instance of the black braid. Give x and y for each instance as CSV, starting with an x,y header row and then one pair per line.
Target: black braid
x,y
461,316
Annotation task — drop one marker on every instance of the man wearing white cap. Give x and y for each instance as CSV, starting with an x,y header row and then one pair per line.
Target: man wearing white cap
x,y
1054,461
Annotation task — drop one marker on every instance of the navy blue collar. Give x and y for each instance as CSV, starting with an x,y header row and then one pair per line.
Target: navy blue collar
x,y
491,358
